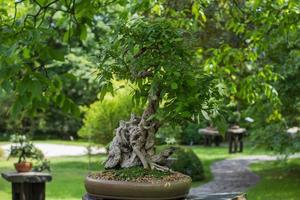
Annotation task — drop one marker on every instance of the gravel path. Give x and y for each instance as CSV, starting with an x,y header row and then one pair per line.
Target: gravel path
x,y
232,176
56,150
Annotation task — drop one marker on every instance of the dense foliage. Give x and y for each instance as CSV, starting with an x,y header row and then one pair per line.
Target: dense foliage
x,y
190,134
187,162
168,134
186,134
101,118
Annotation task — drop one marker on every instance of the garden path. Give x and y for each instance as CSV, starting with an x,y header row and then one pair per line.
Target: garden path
x,y
232,176
56,150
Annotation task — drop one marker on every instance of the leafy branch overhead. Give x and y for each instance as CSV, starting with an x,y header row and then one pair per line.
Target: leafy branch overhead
x,y
157,56
38,35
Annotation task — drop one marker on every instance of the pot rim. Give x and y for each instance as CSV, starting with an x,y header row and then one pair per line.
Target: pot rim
x,y
161,190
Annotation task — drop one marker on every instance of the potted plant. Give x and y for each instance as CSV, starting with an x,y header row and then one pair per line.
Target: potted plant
x,y
24,150
155,56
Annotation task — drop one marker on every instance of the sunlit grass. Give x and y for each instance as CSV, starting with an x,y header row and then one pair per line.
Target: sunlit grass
x,y
278,181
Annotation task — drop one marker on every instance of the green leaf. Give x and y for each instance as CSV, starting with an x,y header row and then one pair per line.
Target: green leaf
x,y
16,108
195,9
58,53
83,32
221,124
26,53
67,36
66,105
205,114
157,9
60,100
174,86
36,89
202,16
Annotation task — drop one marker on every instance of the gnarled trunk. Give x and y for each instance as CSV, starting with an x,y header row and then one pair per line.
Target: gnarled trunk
x,y
133,144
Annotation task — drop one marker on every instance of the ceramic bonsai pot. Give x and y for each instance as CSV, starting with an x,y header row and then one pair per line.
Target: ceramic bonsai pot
x,y
163,190
23,167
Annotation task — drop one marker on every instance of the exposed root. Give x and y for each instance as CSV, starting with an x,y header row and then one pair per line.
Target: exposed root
x,y
160,168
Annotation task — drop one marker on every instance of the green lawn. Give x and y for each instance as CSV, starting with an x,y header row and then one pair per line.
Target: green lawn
x,y
279,182
209,155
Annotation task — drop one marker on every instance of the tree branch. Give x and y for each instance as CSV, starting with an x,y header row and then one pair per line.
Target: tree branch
x,y
141,51
144,74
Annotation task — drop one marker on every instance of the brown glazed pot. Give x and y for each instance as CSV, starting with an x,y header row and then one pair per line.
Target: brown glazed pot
x,y
110,189
23,166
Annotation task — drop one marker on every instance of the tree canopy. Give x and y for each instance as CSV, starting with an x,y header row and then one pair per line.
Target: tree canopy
x,y
202,56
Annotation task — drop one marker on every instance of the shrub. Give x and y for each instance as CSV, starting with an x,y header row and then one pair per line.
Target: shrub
x,y
274,137
102,117
187,162
190,135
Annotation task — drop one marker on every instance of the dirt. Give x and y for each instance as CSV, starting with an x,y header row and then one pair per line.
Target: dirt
x,y
111,175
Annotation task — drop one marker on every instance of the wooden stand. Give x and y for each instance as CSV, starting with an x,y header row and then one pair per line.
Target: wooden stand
x,y
235,136
27,186
210,136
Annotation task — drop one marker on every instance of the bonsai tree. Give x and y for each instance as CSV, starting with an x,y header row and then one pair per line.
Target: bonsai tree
x,y
156,56
23,149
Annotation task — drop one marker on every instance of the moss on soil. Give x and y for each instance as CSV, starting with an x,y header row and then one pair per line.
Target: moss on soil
x,y
137,174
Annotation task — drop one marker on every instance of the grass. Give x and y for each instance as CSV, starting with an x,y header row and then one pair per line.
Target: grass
x,y
209,155
279,181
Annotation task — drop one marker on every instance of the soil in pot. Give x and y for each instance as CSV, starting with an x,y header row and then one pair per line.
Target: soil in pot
x,y
23,167
138,183
137,174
